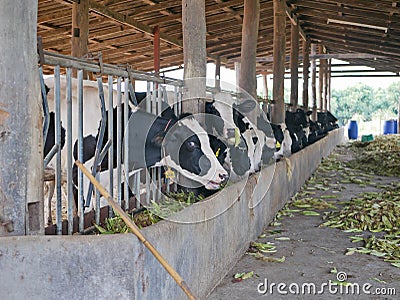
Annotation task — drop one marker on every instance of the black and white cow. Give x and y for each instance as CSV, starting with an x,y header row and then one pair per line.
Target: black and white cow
x,y
177,143
283,141
326,121
298,127
250,144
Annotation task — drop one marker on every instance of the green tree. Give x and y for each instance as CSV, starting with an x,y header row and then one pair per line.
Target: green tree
x,y
365,101
393,98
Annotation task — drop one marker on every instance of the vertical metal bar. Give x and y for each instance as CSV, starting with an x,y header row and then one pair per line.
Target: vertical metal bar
x,y
70,196
119,139
81,209
111,137
147,171
58,142
153,185
97,202
44,104
100,139
126,145
148,190
175,106
148,98
154,100
159,183
159,100
136,176
137,189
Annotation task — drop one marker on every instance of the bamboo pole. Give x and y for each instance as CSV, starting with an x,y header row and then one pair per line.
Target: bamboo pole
x,y
136,231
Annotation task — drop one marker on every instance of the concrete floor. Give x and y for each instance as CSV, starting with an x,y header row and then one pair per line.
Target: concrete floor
x,y
313,252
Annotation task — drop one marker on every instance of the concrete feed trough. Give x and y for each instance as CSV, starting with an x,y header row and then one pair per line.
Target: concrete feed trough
x,y
120,267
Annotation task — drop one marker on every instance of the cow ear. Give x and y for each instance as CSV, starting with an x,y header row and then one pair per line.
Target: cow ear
x,y
245,107
309,113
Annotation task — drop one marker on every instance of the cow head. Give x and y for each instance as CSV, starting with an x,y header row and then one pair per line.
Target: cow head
x,y
186,149
224,117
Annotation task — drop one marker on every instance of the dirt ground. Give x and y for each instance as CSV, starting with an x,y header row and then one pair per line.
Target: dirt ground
x,y
314,254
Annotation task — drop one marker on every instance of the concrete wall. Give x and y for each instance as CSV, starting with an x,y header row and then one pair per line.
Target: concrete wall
x,y
120,267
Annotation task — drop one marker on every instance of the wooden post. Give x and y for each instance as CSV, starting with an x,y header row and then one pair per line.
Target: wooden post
x,y
278,109
321,80
80,30
265,92
320,85
265,85
156,45
218,74
313,83
21,140
194,55
326,71
251,17
329,85
294,66
306,72
237,73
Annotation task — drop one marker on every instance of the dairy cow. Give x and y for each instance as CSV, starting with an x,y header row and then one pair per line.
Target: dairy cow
x,y
254,146
178,143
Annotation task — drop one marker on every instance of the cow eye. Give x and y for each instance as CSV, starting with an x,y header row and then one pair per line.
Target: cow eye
x,y
191,145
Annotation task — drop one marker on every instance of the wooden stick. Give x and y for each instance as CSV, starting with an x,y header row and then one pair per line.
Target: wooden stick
x,y
179,280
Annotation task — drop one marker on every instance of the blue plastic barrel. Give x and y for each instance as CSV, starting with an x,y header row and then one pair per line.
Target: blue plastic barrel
x,y
353,130
395,126
388,127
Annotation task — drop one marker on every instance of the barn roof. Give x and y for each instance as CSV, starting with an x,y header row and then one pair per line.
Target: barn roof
x,y
362,32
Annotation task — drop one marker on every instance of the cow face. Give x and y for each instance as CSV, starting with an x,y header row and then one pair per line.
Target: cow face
x,y
214,121
296,119
186,149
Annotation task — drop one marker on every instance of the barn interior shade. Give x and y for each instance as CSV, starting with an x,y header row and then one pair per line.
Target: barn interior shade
x,y
356,24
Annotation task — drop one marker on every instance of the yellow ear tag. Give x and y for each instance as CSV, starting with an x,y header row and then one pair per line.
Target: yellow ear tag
x,y
237,137
169,174
217,153
278,145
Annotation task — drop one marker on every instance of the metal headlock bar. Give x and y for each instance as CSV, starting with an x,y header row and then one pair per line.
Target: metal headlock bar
x,y
123,75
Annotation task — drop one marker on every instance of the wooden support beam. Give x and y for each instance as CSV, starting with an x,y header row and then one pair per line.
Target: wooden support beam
x,y
313,82
327,56
294,66
279,48
80,30
247,79
21,138
194,55
237,73
218,74
306,71
328,85
321,81
265,92
293,19
132,22
156,49
265,85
